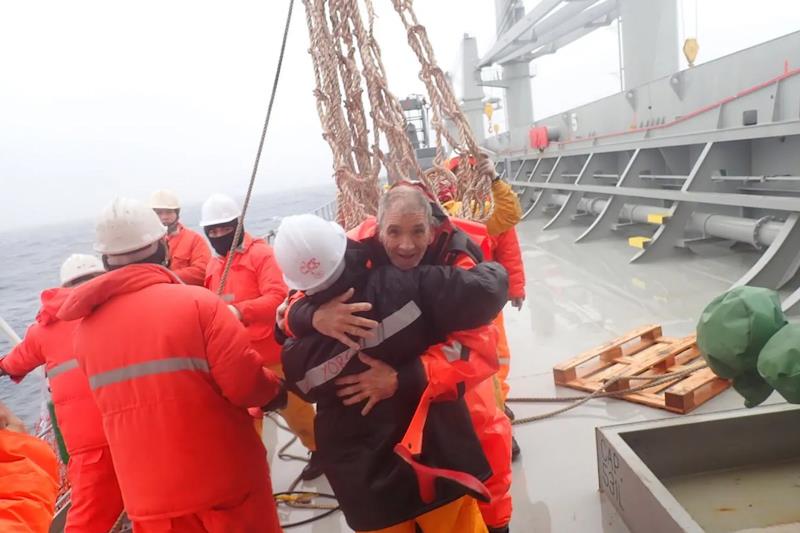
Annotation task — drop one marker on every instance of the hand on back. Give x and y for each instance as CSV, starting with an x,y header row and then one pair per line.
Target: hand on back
x,y
338,319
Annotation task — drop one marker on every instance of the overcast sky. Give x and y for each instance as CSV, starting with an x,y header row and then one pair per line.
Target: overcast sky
x,y
99,98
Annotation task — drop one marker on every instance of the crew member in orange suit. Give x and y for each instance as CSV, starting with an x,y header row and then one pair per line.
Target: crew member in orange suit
x,y
29,470
506,251
188,251
96,499
504,248
253,291
173,375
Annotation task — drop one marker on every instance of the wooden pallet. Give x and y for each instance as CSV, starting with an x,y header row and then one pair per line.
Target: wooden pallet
x,y
644,352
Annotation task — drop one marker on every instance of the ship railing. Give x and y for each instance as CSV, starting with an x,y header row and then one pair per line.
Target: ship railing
x,y
327,211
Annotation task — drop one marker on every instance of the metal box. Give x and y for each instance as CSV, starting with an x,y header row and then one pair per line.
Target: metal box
x,y
728,471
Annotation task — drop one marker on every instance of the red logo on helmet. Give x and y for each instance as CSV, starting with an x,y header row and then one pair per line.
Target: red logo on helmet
x,y
311,267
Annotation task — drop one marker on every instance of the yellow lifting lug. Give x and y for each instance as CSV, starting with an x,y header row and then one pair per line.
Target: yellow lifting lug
x,y
639,242
655,218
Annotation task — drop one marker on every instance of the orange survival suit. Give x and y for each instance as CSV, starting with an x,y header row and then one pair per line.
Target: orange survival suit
x,y
173,373
504,248
96,498
256,288
188,255
506,251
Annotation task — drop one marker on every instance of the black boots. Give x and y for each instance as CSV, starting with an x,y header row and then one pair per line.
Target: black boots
x,y
312,470
515,451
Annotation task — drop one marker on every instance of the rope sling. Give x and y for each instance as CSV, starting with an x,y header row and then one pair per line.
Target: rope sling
x,y
347,63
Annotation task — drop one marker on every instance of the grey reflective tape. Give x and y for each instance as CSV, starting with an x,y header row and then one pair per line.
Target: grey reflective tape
x,y
325,372
138,370
452,351
392,324
66,366
504,360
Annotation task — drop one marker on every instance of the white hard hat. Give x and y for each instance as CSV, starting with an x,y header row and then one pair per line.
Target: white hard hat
x,y
310,252
126,225
164,199
218,209
80,265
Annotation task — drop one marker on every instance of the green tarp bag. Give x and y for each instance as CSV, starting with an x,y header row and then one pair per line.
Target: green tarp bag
x,y
60,444
731,332
752,387
779,362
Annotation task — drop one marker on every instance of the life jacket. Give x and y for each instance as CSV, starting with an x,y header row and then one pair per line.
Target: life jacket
x,y
477,235
173,373
376,487
49,342
188,255
256,288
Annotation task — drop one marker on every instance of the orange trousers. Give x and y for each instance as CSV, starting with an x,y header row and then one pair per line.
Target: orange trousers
x,y
460,516
299,415
503,356
96,498
255,514
494,432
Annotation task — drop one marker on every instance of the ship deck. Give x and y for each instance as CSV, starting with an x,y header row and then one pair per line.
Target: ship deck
x,y
579,296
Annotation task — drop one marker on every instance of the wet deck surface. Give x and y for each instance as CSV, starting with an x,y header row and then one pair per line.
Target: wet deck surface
x,y
579,296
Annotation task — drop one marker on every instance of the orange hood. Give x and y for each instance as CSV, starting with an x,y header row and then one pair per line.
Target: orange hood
x,y
85,298
52,300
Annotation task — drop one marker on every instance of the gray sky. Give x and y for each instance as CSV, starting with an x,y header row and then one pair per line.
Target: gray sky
x,y
99,97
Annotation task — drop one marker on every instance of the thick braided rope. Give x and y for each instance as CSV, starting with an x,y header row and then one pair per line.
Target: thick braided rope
x,y
387,113
472,189
339,39
347,61
339,105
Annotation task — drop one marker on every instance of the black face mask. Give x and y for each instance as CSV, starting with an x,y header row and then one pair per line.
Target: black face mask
x,y
160,257
222,245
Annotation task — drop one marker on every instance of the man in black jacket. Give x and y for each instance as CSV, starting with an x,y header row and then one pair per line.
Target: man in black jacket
x,y
415,309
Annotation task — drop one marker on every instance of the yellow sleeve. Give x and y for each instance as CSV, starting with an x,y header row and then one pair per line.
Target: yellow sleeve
x,y
507,211
452,208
